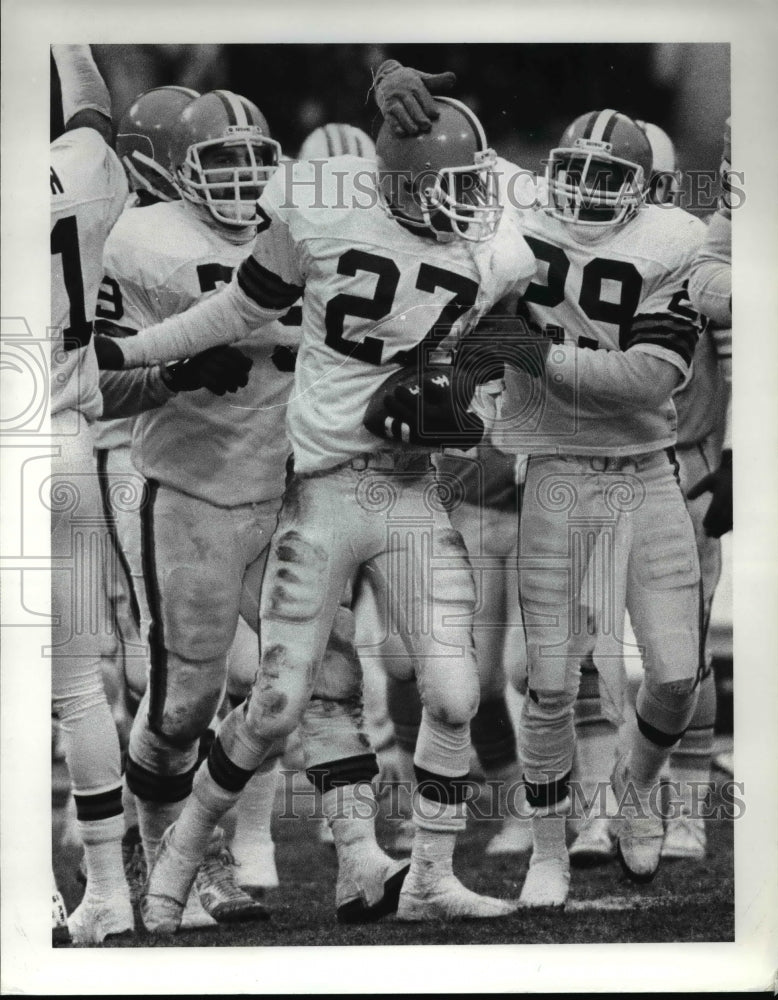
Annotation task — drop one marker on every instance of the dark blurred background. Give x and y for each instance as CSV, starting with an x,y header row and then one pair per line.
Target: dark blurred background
x,y
525,94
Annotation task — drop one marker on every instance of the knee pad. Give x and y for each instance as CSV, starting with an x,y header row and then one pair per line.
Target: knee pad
x,y
452,706
183,697
443,748
82,695
280,693
151,754
665,710
547,735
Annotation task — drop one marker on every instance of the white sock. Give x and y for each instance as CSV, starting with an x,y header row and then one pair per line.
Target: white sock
x,y
646,761
350,811
153,819
254,810
548,831
432,857
198,820
102,839
437,826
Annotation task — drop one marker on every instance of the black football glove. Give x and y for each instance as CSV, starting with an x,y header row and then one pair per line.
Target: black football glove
x,y
430,410
718,517
404,96
219,369
110,356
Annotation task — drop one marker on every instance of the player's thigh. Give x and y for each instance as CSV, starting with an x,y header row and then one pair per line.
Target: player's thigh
x,y
310,561
561,517
194,567
663,581
425,581
491,536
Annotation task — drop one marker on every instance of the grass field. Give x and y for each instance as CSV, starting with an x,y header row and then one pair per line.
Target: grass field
x,y
687,901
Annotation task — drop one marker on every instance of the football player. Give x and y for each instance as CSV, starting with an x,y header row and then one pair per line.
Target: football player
x,y
390,279
700,405
141,144
336,139
209,505
88,192
481,497
602,502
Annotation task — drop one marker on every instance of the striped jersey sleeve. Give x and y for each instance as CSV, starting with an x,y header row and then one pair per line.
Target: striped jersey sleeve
x,y
271,277
264,288
667,325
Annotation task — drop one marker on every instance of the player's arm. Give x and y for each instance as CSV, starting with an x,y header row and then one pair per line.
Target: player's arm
x,y
404,96
656,358
219,369
125,394
263,289
710,281
86,102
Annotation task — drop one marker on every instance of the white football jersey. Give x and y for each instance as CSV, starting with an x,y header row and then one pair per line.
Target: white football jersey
x,y
628,290
88,191
230,449
373,293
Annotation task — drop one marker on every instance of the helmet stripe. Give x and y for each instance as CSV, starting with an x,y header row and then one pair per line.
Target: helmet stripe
x,y
604,120
247,111
344,143
236,113
587,131
330,144
606,135
230,111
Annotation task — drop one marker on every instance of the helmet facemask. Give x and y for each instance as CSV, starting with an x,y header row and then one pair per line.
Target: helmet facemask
x,y
466,197
447,204
230,191
592,190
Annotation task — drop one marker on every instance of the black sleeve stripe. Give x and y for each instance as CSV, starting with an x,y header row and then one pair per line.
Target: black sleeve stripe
x,y
265,287
682,346
663,320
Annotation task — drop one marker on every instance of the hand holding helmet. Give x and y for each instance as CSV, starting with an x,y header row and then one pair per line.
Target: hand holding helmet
x,y
404,96
442,184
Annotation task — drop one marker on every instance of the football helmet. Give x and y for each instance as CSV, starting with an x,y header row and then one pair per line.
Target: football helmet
x,y
441,184
336,139
599,173
143,136
222,155
665,179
